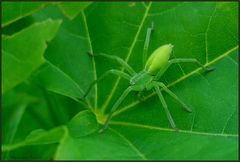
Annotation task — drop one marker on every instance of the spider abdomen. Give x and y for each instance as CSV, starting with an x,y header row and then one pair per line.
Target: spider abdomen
x,y
158,59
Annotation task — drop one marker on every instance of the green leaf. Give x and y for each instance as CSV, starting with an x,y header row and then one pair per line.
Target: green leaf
x,y
14,11
140,129
26,113
72,9
197,30
132,138
72,140
69,68
39,137
23,51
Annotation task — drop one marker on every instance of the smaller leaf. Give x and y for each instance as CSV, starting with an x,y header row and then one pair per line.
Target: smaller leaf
x,y
83,124
23,51
35,133
39,137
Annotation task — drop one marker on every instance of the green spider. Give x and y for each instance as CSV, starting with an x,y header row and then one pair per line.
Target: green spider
x,y
146,79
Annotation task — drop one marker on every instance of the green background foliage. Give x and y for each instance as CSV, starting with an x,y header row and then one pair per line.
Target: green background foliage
x,y
46,69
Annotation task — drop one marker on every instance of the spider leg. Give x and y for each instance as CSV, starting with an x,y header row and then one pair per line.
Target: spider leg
x,y
115,106
146,43
174,96
112,71
118,59
159,93
191,60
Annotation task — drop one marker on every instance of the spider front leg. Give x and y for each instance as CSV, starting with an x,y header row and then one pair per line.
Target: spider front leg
x,y
118,59
115,106
112,71
147,42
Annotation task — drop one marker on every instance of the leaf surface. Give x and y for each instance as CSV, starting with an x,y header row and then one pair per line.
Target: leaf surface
x,y
140,129
69,68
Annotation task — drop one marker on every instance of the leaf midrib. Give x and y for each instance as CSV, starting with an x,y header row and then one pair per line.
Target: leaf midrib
x,y
128,124
131,145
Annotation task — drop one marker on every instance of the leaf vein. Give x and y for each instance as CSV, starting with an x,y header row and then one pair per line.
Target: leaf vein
x,y
232,60
225,125
75,35
69,77
13,56
129,143
206,33
165,11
